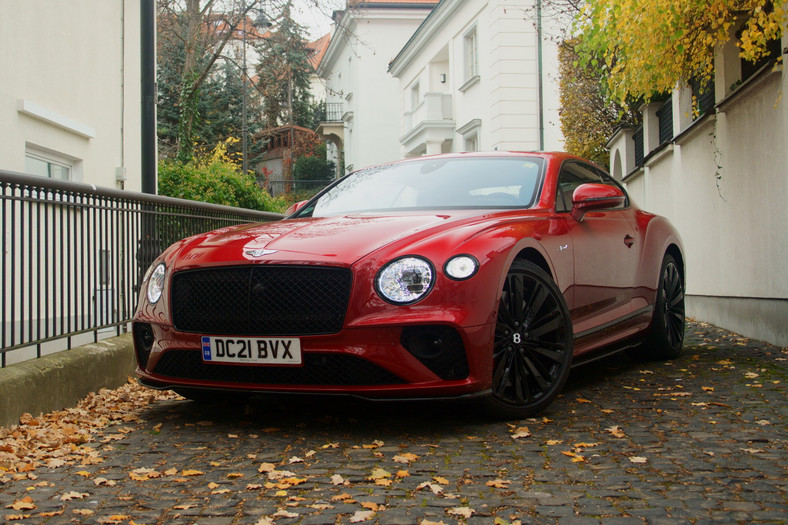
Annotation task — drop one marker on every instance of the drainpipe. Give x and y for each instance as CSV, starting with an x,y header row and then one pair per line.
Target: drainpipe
x,y
540,92
148,79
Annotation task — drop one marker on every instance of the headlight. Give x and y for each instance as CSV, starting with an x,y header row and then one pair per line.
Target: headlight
x,y
405,280
156,283
461,267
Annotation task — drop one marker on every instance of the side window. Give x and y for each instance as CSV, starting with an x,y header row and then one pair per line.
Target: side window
x,y
572,175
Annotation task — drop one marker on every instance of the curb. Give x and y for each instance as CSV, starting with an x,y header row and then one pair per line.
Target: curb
x,y
60,380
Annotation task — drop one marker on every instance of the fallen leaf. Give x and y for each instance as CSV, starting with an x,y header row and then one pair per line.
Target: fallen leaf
x,y
295,459
616,431
192,472
341,497
465,512
638,459
266,467
553,442
371,506
25,503
362,515
282,513
265,520
498,483
442,481
582,400
73,495
436,489
407,457
336,479
521,432
234,475
253,486
375,444
83,512
104,481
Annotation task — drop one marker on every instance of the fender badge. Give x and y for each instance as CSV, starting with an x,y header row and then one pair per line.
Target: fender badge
x,y
259,252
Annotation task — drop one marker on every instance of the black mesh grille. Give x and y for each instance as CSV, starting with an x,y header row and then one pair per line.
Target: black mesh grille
x,y
317,369
261,300
143,341
439,348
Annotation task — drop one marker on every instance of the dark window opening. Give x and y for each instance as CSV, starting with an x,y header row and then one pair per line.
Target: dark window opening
x,y
638,138
773,52
665,119
702,96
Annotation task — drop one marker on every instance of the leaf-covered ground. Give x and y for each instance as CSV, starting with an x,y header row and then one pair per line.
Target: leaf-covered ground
x,y
699,438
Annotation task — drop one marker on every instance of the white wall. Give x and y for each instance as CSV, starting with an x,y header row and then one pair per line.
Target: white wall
x,y
355,71
723,183
76,66
505,98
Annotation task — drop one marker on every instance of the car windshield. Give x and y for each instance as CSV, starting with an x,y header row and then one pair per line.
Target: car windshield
x,y
438,183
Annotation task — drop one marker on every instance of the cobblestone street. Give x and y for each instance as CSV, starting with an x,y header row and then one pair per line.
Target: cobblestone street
x,y
696,440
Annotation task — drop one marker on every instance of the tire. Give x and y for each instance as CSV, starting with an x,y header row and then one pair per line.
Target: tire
x,y
532,351
666,336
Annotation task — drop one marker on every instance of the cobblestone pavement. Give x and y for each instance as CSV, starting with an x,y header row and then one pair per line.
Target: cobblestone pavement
x,y
696,440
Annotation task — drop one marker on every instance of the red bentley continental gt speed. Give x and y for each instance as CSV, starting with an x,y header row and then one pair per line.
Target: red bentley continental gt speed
x,y
482,275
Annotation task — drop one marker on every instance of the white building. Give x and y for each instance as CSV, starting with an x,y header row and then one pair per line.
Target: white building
x,y
70,95
362,99
721,179
476,76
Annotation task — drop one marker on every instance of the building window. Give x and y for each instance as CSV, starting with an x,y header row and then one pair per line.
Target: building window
x,y
43,165
415,95
665,119
702,96
470,135
472,142
471,54
773,52
638,140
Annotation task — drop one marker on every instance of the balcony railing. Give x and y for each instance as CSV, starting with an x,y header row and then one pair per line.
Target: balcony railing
x,y
74,255
334,112
434,107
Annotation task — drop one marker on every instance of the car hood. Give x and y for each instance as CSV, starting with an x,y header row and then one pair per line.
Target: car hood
x,y
340,240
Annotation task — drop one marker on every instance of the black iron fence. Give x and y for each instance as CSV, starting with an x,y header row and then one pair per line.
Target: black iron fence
x,y
74,255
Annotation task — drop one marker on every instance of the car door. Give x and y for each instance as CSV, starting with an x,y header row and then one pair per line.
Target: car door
x,y
605,258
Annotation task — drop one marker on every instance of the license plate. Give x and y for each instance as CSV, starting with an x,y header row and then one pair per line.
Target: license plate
x,y
257,350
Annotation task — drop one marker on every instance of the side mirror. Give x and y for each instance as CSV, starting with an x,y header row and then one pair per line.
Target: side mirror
x,y
592,196
294,208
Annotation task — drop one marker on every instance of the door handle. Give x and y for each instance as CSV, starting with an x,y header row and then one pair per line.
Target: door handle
x,y
629,241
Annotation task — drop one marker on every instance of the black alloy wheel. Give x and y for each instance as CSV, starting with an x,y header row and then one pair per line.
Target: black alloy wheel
x,y
533,346
666,337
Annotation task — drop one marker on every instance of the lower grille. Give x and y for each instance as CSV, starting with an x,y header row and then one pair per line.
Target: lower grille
x,y
143,342
317,369
439,348
261,300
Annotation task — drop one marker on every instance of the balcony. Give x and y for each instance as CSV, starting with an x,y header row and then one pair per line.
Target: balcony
x,y
332,127
429,125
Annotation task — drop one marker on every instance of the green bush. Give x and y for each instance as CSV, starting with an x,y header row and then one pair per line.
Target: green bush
x,y
215,178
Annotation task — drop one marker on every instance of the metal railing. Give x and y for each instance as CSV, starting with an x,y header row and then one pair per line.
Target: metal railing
x,y
334,111
74,255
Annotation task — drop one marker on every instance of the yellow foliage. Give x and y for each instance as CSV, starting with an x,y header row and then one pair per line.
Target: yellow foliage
x,y
649,45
